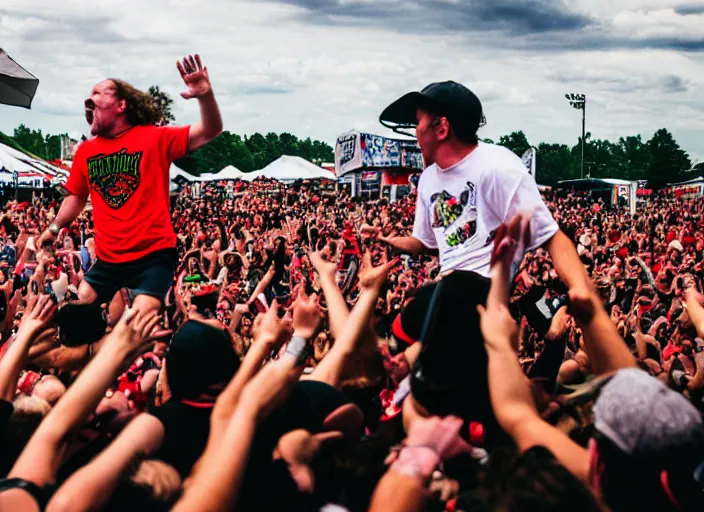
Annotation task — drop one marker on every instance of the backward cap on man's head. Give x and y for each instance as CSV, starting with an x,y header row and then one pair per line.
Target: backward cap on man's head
x,y
645,419
448,99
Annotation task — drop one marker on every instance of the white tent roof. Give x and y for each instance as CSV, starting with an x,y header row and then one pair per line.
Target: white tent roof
x,y
688,182
230,173
291,168
175,172
14,160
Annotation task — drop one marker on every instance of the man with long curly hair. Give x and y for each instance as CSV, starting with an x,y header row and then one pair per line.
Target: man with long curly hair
x,y
124,169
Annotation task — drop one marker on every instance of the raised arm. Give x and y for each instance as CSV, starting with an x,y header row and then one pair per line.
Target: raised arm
x,y
270,332
91,486
509,389
332,367
338,313
16,355
197,81
40,459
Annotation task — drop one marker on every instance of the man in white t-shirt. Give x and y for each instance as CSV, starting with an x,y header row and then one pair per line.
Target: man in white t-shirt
x,y
468,189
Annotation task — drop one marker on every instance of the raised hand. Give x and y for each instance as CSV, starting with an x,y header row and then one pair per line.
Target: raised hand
x,y
135,329
306,315
195,76
559,325
39,316
371,277
269,328
324,268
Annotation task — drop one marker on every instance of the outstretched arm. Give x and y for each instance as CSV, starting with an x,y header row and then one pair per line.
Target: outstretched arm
x,y
91,486
337,307
40,459
331,368
511,397
196,78
16,356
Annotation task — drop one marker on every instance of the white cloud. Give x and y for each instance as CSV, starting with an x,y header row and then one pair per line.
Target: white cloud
x,y
272,70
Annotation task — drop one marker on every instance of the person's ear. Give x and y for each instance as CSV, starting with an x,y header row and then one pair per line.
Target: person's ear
x,y
443,128
121,106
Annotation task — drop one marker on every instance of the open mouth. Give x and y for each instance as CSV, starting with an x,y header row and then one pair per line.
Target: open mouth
x,y
89,110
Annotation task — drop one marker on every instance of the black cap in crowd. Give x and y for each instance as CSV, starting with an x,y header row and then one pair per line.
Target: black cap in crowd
x,y
448,99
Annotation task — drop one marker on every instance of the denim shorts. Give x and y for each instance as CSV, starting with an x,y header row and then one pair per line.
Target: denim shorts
x,y
151,275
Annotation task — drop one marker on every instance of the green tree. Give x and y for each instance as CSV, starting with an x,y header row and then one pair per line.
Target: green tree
x,y
637,157
164,102
554,162
516,142
669,161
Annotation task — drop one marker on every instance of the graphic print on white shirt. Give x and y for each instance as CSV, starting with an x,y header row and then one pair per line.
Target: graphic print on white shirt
x,y
457,216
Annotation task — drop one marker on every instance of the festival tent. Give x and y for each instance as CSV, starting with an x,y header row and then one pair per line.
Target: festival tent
x,y
175,173
17,86
17,161
695,181
291,168
231,173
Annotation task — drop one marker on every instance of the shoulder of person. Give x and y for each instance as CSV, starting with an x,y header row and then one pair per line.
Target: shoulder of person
x,y
500,158
428,176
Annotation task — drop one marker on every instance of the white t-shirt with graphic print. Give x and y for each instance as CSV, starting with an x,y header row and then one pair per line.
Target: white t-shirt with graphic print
x,y
460,208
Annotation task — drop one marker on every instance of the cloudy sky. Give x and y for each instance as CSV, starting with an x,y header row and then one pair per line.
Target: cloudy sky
x,y
319,68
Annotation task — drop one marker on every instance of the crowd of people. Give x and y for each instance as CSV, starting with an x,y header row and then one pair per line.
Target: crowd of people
x,y
471,346
278,260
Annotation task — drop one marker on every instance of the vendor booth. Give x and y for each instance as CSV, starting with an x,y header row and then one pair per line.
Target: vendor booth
x,y
613,192
690,189
376,164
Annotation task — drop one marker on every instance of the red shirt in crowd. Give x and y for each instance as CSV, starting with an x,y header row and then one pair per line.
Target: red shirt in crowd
x,y
614,236
128,181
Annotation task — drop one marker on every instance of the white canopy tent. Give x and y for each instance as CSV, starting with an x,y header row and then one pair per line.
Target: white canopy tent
x,y
291,168
175,172
231,173
16,161
17,85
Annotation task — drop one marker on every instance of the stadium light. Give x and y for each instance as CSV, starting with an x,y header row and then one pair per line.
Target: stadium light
x,y
579,102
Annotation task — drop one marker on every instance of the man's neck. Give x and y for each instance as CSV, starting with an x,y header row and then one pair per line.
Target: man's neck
x,y
118,129
453,153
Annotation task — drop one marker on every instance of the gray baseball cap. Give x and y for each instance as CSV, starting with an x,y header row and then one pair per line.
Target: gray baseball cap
x,y
646,420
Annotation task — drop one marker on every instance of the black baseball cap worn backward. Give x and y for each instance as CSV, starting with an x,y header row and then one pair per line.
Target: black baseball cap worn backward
x,y
447,99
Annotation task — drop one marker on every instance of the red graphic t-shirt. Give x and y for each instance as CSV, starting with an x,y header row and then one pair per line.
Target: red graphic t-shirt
x,y
128,181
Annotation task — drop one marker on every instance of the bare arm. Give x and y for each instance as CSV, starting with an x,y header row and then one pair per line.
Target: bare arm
x,y
40,459
408,245
338,313
91,486
215,486
606,349
332,367
399,493
509,389
16,356
695,312
71,207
